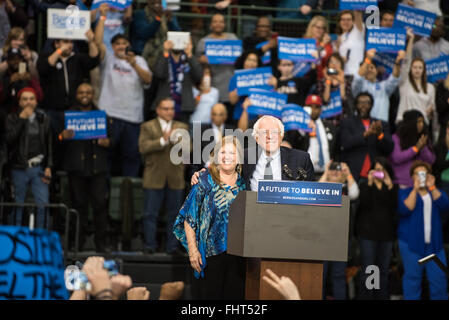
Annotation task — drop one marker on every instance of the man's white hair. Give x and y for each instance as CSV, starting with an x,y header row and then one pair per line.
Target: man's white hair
x,y
257,124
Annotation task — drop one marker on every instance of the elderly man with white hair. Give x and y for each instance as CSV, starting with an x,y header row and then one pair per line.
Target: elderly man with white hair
x,y
271,161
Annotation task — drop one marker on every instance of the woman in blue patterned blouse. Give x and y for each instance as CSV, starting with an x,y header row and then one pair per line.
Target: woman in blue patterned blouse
x,y
202,225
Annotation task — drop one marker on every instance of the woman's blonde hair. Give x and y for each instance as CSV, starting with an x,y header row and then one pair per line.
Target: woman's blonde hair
x,y
214,168
315,19
13,34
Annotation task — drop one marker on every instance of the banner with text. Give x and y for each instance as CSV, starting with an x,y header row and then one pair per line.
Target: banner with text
x,y
356,4
86,125
386,39
420,21
252,78
116,4
296,49
295,117
223,51
67,24
31,265
266,102
385,60
300,192
437,69
301,69
334,108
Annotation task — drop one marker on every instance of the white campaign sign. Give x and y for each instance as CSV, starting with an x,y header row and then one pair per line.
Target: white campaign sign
x,y
70,23
179,39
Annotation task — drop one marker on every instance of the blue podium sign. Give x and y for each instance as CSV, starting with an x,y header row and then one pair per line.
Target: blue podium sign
x,y
300,192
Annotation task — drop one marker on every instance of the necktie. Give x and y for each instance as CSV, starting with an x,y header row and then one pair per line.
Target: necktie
x,y
268,174
320,148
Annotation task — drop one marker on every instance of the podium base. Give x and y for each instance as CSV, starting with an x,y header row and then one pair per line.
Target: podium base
x,y
308,277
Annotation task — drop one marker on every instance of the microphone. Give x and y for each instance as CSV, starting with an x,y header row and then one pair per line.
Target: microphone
x,y
288,172
302,174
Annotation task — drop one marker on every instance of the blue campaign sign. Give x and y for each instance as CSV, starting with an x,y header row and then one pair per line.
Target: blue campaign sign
x,y
31,265
420,21
334,107
296,49
356,4
223,51
437,69
266,58
386,60
386,39
301,69
117,4
300,192
295,117
266,102
86,125
252,78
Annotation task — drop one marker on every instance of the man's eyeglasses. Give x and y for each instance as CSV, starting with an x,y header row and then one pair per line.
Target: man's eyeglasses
x,y
264,132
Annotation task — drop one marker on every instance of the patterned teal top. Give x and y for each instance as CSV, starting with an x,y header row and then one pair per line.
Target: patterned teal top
x,y
206,210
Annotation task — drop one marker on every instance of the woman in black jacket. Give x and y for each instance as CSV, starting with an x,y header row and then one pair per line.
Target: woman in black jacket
x,y
375,226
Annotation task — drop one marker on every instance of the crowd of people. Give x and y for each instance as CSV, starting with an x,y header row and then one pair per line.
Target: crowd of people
x,y
388,147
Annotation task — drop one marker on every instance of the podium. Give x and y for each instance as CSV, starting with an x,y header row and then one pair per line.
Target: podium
x,y
291,240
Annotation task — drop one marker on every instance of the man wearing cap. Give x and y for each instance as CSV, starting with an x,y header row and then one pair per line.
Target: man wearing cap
x,y
124,78
321,143
14,79
30,154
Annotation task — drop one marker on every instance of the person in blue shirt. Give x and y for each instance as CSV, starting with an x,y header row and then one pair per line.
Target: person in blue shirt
x,y
421,210
366,80
202,223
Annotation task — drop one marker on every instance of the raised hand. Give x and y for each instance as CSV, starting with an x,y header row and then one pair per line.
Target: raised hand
x,y
283,285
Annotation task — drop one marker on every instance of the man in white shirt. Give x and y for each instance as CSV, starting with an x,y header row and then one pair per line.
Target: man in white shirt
x,y
162,179
124,76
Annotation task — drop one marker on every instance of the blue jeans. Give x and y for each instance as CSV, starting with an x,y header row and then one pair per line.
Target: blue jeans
x,y
21,180
376,253
413,274
125,136
338,277
153,202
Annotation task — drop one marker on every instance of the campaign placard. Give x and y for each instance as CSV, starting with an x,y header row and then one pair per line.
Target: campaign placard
x,y
294,117
420,21
266,102
386,39
296,49
31,264
356,4
300,193
334,108
437,69
67,24
86,125
223,51
116,4
386,60
301,69
252,78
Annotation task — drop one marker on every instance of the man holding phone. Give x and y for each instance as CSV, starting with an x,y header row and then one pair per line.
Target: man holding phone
x,y
124,78
28,137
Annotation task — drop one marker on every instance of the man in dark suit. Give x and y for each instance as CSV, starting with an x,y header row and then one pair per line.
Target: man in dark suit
x,y
270,161
363,138
321,143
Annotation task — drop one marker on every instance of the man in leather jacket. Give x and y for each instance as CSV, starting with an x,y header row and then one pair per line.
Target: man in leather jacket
x,y
28,139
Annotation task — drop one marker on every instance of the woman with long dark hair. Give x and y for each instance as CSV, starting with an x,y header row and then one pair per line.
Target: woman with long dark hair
x,y
375,225
412,142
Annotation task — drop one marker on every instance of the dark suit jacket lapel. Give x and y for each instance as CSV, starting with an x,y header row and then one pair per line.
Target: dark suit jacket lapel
x,y
284,161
